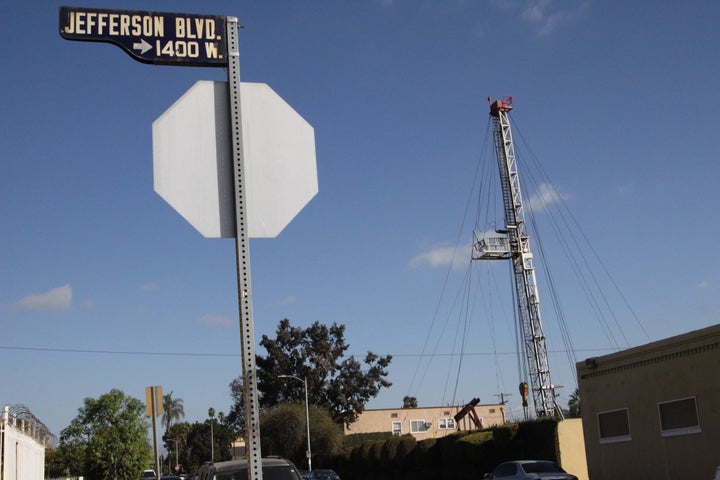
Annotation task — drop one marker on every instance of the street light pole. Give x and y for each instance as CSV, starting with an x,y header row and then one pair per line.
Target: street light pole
x,y
175,441
307,417
211,414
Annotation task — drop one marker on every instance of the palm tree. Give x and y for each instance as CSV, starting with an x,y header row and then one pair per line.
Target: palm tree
x,y
574,404
173,410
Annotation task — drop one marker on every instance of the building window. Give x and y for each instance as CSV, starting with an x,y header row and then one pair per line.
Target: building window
x,y
393,415
446,423
492,410
419,426
397,428
678,417
614,426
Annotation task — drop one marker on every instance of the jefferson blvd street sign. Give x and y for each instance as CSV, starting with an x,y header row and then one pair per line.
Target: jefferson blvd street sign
x,y
151,37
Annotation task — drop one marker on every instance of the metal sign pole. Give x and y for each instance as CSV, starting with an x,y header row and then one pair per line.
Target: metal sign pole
x,y
247,336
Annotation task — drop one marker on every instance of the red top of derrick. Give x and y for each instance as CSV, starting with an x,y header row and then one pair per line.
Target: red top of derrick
x,y
502,105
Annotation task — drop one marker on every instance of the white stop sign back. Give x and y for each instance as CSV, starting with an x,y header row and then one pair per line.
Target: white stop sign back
x,y
192,161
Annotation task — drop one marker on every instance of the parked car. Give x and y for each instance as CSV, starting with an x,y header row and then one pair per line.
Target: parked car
x,y
322,474
273,468
529,470
148,474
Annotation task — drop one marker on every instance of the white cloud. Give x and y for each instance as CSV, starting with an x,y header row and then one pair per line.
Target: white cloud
x,y
224,320
703,284
546,17
442,257
288,300
59,298
546,196
150,287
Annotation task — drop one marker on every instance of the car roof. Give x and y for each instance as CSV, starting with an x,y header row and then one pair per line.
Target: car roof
x,y
235,464
531,461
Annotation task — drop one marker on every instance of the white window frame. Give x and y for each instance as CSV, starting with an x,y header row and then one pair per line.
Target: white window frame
x,y
415,422
397,431
446,423
619,438
671,432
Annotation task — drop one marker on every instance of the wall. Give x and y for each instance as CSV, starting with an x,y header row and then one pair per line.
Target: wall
x,y
23,457
636,381
571,447
372,421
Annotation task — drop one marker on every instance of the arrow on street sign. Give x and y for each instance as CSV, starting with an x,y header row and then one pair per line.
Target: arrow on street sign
x,y
143,46
151,37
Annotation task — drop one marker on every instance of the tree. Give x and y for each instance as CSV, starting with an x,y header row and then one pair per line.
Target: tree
x,y
173,410
409,402
235,419
108,437
284,432
198,449
342,386
175,440
574,404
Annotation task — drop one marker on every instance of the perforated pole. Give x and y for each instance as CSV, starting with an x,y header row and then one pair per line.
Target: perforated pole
x,y
242,248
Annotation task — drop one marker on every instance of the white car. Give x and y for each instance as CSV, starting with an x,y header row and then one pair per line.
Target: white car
x,y
530,470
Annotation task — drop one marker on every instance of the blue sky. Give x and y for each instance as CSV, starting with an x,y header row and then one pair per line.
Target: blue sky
x,y
105,286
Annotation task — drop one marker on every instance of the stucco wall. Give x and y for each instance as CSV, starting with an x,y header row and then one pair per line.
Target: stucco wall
x,y
372,421
636,381
572,447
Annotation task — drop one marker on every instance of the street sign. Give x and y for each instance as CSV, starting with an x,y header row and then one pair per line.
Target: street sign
x,y
151,37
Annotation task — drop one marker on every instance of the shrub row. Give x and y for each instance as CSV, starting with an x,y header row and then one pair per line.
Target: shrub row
x,y
460,455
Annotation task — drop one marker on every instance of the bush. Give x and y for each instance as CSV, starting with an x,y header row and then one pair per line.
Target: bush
x,y
404,449
538,439
375,453
503,436
425,455
388,453
356,439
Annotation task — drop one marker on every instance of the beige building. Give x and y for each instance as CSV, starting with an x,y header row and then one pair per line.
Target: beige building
x,y
427,422
653,412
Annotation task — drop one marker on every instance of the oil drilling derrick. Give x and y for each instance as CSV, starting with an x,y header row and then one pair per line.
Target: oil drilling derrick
x,y
514,244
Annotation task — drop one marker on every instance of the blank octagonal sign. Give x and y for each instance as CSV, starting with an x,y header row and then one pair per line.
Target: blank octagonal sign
x,y
192,160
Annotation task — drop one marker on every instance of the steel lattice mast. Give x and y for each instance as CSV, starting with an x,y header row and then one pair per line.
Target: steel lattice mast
x,y
515,245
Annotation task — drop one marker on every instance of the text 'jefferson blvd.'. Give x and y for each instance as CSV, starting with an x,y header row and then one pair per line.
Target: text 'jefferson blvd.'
x,y
129,25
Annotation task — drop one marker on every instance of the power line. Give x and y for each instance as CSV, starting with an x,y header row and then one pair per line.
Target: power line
x,y
225,355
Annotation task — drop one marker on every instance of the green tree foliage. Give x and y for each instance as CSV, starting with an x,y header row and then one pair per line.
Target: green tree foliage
x,y
284,432
235,419
173,410
198,449
65,461
108,439
178,432
409,402
574,404
342,385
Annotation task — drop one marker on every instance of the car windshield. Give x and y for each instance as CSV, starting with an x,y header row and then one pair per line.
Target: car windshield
x,y
541,467
269,473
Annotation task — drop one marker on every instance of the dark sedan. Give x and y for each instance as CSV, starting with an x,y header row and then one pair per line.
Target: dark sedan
x,y
530,470
322,474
